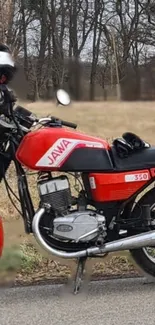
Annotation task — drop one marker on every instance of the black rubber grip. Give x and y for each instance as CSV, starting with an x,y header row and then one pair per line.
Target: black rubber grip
x,y
69,124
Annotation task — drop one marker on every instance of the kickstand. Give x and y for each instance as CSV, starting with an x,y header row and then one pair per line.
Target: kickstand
x,y
79,274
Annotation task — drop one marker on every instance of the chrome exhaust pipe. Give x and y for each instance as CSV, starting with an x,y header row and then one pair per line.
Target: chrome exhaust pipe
x,y
133,242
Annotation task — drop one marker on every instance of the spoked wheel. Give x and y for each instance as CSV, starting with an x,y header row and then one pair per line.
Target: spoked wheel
x,y
145,257
150,253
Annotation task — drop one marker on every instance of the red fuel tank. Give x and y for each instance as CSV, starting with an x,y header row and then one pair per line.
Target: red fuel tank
x,y
61,149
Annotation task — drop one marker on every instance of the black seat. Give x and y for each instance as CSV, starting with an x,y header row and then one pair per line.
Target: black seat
x,y
141,159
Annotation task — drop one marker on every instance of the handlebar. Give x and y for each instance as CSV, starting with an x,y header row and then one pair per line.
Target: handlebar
x,y
69,124
54,121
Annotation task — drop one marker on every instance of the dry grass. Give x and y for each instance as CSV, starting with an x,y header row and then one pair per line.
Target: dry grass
x,y
105,119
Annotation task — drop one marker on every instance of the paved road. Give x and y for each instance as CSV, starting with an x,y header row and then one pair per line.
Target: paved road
x,y
116,302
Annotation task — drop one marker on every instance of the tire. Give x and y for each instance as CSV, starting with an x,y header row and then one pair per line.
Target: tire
x,y
139,255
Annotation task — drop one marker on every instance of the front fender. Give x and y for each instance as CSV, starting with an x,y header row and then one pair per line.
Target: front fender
x,y
1,237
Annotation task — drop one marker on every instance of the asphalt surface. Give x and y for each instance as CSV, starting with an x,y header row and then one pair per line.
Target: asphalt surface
x,y
113,302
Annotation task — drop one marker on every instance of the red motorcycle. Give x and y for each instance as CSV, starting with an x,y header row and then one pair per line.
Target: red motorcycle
x,y
114,208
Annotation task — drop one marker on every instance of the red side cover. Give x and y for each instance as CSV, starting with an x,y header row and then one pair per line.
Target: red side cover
x,y
1,237
117,186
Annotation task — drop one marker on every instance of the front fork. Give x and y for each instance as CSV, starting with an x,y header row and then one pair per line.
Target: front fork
x,y
25,199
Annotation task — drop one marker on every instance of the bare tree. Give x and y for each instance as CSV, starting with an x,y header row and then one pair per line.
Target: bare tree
x,y
24,33
49,38
99,8
5,11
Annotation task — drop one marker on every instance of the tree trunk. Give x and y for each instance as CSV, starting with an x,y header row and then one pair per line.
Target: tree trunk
x,y
24,38
96,46
44,28
57,43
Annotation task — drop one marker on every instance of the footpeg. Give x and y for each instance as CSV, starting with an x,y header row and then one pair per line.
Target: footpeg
x,y
79,274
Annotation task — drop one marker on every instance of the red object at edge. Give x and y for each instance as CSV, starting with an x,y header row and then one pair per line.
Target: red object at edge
x,y
1,237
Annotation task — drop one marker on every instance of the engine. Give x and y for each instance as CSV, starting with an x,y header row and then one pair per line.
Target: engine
x,y
56,192
79,226
76,226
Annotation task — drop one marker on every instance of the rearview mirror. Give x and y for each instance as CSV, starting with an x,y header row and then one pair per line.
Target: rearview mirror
x,y
63,97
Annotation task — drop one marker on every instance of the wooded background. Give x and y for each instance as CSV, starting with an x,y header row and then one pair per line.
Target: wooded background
x,y
95,49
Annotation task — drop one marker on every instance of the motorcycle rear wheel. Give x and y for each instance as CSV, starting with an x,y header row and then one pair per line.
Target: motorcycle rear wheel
x,y
144,256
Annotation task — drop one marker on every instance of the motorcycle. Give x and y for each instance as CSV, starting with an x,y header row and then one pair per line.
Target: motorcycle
x,y
114,208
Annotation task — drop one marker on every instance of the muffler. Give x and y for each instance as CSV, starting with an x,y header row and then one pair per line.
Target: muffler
x,y
133,242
